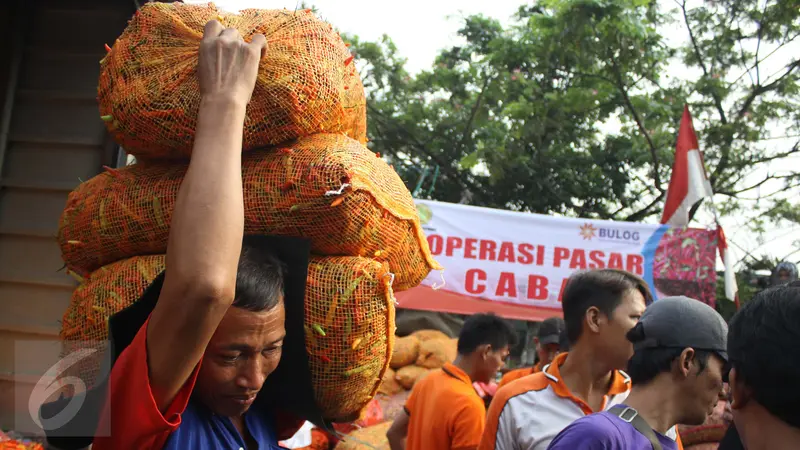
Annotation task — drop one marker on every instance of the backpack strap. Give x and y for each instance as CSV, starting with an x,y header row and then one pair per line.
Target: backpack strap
x,y
632,416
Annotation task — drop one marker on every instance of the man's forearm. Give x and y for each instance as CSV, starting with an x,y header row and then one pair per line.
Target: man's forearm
x,y
209,208
396,443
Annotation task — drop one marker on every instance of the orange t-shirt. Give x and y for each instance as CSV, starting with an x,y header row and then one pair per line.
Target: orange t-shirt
x,y
517,374
445,412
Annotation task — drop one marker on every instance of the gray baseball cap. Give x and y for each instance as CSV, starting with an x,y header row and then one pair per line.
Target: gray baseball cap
x,y
681,322
550,330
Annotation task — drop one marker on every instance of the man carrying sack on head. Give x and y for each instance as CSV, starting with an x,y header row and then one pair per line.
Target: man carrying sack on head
x,y
191,356
216,332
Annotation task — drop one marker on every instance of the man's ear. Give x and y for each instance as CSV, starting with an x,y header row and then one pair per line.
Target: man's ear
x,y
686,360
484,351
740,394
594,318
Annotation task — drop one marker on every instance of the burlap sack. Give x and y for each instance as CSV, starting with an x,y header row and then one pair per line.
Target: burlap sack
x,y
374,437
434,353
389,385
327,188
406,350
409,375
426,335
348,335
149,93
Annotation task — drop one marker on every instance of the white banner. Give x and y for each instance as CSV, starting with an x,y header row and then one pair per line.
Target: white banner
x,y
525,259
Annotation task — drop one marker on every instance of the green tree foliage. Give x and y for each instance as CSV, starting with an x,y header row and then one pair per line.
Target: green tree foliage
x,y
512,118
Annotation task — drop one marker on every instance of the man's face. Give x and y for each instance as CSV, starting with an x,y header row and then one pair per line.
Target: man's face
x,y
784,276
702,390
547,352
243,352
612,339
492,361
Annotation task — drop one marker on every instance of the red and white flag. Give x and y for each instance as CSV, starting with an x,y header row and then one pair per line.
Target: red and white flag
x,y
687,186
689,183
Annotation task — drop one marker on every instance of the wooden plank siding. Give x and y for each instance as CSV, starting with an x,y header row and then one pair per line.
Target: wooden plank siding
x,y
54,139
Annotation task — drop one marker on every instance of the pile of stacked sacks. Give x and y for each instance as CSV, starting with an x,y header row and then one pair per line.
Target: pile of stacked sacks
x,y
414,356
306,173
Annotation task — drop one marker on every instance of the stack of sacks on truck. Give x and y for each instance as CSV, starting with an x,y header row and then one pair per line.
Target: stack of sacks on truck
x,y
306,173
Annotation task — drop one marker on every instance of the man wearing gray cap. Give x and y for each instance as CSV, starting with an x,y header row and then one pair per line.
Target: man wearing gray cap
x,y
677,371
548,343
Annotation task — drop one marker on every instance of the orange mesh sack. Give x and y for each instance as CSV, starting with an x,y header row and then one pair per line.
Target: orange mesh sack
x,y
436,352
406,350
370,438
409,375
349,323
350,331
149,93
327,188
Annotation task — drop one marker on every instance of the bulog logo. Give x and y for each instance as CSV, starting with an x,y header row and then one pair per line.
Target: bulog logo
x,y
589,232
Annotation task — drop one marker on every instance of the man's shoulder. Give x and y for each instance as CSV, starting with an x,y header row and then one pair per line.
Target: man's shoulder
x,y
598,429
533,383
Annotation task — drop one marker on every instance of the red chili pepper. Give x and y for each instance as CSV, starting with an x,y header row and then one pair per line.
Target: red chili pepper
x,y
348,60
108,49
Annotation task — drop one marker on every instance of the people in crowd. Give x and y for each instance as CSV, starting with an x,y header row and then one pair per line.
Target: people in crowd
x,y
600,307
220,303
783,273
764,349
677,371
444,411
548,346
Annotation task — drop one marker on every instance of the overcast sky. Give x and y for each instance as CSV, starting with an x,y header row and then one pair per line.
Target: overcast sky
x,y
420,29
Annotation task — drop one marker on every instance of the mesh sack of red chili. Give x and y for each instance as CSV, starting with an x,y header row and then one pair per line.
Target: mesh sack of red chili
x,y
149,93
327,188
349,323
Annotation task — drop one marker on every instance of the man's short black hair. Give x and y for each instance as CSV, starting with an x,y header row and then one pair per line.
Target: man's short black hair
x,y
482,329
764,348
601,288
259,280
647,363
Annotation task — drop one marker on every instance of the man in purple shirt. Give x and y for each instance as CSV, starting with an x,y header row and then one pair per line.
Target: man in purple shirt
x,y
677,372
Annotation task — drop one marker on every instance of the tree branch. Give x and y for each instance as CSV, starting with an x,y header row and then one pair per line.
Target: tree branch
x,y
446,167
699,56
626,99
760,90
749,188
474,112
646,211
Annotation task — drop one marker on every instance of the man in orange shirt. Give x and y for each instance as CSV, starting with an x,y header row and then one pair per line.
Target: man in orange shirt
x,y
548,346
600,307
443,411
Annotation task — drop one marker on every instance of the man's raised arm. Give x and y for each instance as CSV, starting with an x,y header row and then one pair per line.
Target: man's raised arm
x,y
208,222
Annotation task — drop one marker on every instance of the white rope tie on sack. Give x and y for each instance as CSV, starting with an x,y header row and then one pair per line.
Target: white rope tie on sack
x,y
391,286
338,191
436,286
